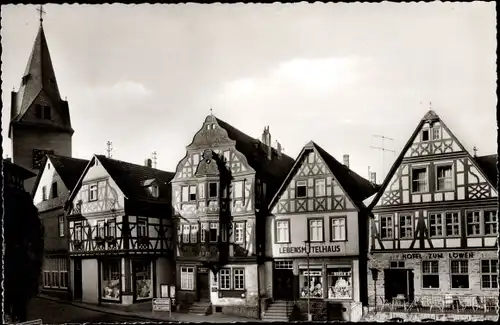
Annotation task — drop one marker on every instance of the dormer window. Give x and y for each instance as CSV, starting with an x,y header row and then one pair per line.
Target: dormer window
x,y
154,190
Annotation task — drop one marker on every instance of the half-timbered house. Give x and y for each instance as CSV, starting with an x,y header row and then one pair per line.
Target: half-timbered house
x,y
318,237
57,177
220,193
434,229
121,233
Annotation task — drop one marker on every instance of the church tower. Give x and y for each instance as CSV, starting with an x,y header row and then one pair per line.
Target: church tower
x,y
40,121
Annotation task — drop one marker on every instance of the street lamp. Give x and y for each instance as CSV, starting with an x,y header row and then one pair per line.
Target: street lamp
x,y
308,251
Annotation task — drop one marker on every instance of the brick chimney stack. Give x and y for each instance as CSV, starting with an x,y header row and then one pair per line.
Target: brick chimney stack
x,y
373,177
278,149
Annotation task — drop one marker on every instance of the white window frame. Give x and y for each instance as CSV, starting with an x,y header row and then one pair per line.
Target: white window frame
x,y
388,227
282,227
315,229
424,180
491,275
463,269
445,179
225,274
239,231
187,278
142,223
428,135
439,223
193,235
60,225
320,187
192,191
488,224
473,221
455,226
430,268
238,273
93,192
238,190
405,228
213,225
185,194
186,229
338,223
434,133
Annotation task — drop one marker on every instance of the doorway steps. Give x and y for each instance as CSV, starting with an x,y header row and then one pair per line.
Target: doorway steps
x,y
278,311
200,308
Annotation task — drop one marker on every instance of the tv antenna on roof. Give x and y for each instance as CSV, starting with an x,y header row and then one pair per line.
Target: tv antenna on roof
x,y
383,149
154,154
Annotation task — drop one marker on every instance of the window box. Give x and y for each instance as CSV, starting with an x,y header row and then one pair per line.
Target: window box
x,y
78,244
143,241
100,241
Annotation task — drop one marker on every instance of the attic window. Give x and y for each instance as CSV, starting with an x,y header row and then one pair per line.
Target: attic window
x,y
25,79
301,189
46,112
425,135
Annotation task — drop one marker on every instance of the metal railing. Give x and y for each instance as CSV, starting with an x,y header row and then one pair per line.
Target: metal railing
x,y
445,304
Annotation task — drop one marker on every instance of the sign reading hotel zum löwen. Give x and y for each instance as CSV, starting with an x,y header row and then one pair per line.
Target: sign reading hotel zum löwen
x,y
427,256
315,249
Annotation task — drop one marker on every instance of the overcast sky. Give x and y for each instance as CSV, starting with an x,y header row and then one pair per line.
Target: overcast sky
x,y
145,76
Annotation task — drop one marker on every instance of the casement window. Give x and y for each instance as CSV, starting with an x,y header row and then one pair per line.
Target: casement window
x,y
238,190
405,226
185,194
444,178
301,189
239,279
44,193
78,231
283,265
187,278
386,227
315,230
225,279
192,193
338,225
459,274
430,274
196,159
320,187
203,232
55,273
194,233
282,231
435,225
425,135
239,231
452,223
142,227
473,223
93,192
214,231
489,274
111,231
227,155
53,190
185,233
419,178
154,190
397,265
201,191
100,228
490,222
213,190
60,222
436,133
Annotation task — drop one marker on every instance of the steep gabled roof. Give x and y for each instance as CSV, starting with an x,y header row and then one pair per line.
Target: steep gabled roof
x,y
39,77
68,168
429,116
18,169
488,165
256,153
130,178
355,186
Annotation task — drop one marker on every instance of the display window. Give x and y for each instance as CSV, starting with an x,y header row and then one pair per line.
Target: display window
x,y
311,282
143,279
339,283
110,280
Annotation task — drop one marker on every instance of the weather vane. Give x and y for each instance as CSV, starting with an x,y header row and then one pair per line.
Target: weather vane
x,y
41,13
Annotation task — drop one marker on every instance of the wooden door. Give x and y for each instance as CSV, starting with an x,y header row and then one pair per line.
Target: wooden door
x,y
203,286
283,284
77,279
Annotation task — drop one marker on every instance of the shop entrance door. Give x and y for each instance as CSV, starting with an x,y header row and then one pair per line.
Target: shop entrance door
x,y
283,284
398,282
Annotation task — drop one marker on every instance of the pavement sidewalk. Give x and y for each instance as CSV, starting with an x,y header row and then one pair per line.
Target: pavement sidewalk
x,y
144,310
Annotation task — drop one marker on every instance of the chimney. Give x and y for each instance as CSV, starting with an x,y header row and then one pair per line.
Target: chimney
x,y
346,160
148,163
373,177
264,135
278,146
269,147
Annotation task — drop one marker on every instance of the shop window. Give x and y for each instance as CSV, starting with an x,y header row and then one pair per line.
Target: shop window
x,y
110,282
460,274
489,274
311,282
187,278
339,283
430,274
142,271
